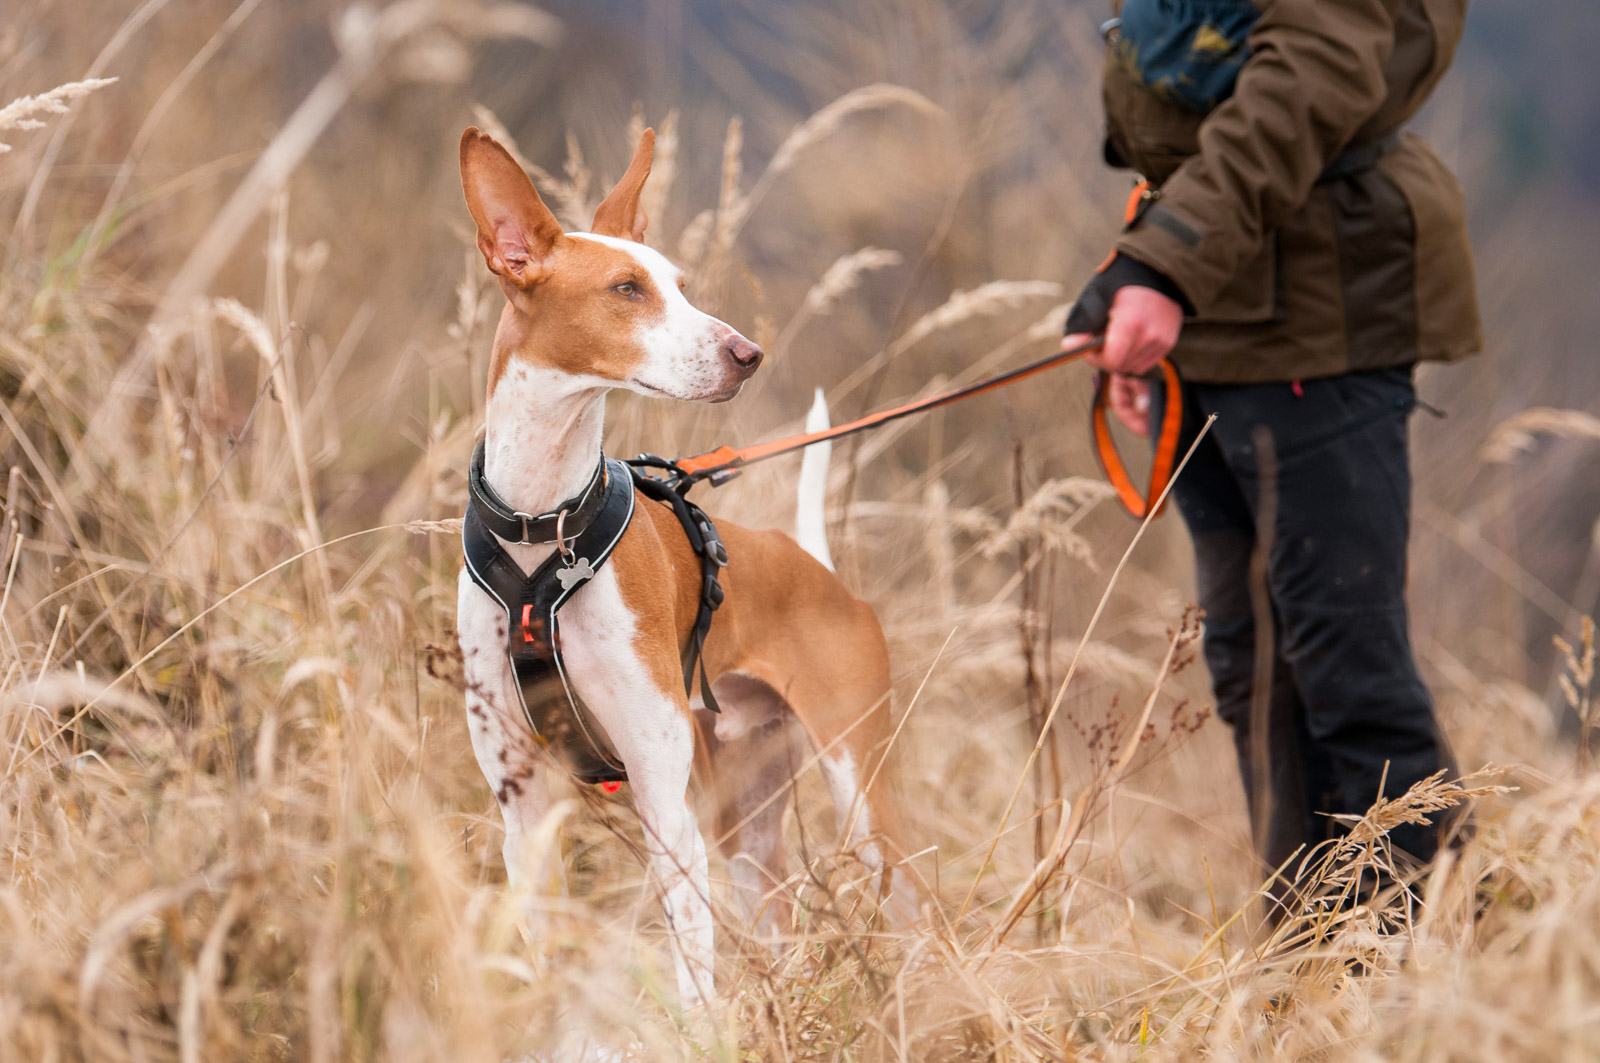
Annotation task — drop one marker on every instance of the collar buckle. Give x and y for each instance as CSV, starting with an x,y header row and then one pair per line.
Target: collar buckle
x,y
529,529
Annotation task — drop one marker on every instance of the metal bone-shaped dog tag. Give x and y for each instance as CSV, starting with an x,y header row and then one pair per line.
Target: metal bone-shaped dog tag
x,y
575,573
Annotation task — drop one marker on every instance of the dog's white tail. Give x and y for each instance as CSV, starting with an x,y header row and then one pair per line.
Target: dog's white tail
x,y
810,523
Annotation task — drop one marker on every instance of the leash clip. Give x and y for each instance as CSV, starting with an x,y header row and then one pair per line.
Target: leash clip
x,y
673,476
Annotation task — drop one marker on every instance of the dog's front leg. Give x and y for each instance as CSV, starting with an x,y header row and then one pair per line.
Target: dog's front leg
x,y
620,664
509,755
532,854
659,757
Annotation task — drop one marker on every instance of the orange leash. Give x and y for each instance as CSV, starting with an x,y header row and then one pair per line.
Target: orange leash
x,y
722,464
1166,441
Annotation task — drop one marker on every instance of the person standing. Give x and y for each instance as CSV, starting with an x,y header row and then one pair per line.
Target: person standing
x,y
1296,254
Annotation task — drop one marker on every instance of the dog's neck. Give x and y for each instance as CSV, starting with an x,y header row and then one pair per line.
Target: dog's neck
x,y
543,436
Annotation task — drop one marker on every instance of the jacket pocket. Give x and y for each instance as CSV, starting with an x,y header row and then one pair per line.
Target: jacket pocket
x,y
1253,297
1445,290
1145,131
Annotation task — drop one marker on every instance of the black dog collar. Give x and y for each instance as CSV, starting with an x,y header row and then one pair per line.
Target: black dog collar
x,y
569,519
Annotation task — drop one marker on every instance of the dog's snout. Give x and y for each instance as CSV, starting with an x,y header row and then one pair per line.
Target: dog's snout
x,y
745,354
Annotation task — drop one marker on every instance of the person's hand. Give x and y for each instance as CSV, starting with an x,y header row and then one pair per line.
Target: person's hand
x,y
1143,329
1129,399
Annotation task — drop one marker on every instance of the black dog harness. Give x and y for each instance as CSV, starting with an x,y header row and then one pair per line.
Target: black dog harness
x,y
585,530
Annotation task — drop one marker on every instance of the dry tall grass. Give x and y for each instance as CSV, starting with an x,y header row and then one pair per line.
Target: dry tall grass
x,y
239,814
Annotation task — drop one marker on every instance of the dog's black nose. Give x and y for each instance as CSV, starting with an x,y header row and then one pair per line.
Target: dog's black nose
x,y
745,354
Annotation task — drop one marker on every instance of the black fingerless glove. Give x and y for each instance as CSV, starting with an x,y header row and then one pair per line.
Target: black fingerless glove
x,y
1092,312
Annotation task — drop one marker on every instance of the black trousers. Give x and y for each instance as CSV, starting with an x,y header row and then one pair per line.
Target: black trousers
x,y
1347,712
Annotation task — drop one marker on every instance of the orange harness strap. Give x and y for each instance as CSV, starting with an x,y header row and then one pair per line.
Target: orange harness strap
x,y
722,463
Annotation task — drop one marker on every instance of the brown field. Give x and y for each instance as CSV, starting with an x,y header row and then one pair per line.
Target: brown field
x,y
243,334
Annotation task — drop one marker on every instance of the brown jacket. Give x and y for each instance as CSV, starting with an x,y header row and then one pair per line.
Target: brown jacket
x,y
1293,271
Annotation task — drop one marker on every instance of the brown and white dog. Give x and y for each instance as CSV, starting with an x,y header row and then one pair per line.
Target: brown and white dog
x,y
585,313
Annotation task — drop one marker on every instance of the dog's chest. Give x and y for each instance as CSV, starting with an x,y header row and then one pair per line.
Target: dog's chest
x,y
598,641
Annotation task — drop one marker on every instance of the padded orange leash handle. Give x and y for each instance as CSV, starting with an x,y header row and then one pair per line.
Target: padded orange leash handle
x,y
1166,445
1166,436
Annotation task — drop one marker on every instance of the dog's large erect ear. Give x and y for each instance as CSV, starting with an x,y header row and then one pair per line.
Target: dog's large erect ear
x,y
516,231
619,214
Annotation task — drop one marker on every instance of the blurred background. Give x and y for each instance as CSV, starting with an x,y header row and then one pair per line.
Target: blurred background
x,y
891,196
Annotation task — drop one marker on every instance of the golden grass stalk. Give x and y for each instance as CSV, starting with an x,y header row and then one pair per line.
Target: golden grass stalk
x,y
840,278
663,171
844,274
24,112
366,37
1517,435
490,123
1577,685
734,210
986,300
157,113
573,196
1050,516
1066,681
830,118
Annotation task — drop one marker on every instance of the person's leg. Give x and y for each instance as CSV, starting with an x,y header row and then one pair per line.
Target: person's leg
x,y
1222,526
1337,575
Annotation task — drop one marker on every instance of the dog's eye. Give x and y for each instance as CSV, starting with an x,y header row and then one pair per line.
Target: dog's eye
x,y
626,288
